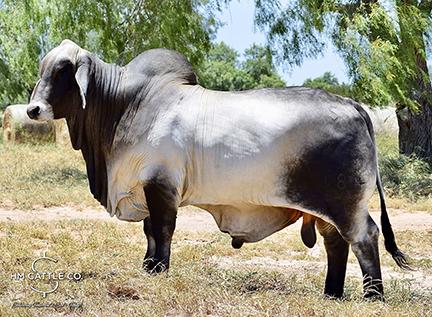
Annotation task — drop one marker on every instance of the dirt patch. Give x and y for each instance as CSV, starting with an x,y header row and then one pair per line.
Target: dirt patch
x,y
195,219
54,214
122,292
402,220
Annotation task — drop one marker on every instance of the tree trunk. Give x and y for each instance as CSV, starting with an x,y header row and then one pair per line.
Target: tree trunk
x,y
415,131
415,127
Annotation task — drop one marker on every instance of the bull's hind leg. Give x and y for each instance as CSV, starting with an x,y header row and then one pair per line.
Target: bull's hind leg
x,y
161,203
365,248
337,256
362,233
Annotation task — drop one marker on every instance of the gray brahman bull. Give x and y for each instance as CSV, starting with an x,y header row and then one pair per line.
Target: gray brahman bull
x,y
154,140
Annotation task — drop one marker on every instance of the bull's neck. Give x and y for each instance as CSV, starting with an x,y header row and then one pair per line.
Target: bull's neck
x,y
104,102
95,125
92,129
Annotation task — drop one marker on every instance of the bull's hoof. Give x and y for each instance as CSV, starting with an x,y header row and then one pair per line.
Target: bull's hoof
x,y
237,243
329,294
154,266
372,289
373,296
333,296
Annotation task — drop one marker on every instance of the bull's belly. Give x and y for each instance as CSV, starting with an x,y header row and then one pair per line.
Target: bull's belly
x,y
245,196
253,180
251,223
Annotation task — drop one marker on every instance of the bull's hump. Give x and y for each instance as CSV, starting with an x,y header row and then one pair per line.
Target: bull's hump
x,y
163,62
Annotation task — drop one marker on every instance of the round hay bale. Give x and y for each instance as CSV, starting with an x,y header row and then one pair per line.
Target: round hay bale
x,y
62,133
384,120
19,128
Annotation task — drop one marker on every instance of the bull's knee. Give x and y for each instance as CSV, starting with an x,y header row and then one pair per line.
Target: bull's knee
x,y
365,243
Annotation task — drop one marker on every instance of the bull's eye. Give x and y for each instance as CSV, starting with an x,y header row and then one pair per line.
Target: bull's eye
x,y
60,83
63,73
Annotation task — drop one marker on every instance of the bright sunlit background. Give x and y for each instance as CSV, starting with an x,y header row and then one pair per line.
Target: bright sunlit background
x,y
240,33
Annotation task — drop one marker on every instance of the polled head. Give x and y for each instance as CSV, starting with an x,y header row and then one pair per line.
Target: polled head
x,y
62,87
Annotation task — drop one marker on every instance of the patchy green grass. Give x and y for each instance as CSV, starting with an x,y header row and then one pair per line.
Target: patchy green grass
x,y
109,255
403,176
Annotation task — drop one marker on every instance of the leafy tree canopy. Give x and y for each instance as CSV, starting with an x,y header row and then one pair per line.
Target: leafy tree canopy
x,y
329,82
326,80
116,30
222,70
382,42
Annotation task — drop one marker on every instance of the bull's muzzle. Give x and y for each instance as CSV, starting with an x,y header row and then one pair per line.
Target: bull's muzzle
x,y
33,111
40,111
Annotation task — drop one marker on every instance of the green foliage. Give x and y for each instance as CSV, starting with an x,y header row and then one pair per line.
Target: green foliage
x,y
407,176
259,66
403,176
326,80
330,83
222,69
116,30
382,42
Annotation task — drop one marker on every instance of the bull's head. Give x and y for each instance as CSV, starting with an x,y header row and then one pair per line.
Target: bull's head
x,y
62,87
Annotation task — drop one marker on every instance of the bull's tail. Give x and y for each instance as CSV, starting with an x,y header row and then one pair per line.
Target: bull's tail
x,y
389,238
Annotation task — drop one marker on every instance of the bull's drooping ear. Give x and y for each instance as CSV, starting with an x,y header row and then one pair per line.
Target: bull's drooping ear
x,y
82,78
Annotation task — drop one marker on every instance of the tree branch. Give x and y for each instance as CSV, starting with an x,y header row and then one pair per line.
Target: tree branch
x,y
426,6
348,8
368,4
351,8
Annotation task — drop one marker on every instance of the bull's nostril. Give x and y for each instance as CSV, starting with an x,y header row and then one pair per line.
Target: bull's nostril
x,y
33,112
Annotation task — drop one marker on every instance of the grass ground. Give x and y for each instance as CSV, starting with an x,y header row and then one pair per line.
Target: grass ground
x,y
276,277
44,175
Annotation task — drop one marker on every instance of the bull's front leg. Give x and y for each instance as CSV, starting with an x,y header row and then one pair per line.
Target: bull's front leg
x,y
151,243
161,203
